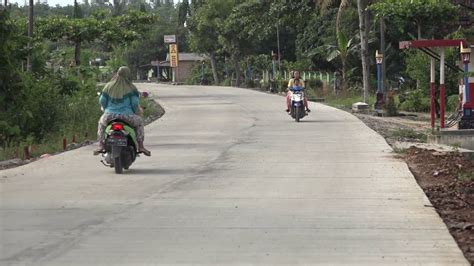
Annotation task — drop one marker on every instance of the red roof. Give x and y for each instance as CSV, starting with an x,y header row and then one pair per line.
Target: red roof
x,y
431,43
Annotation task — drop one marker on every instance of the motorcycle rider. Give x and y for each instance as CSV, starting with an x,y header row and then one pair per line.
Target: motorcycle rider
x,y
295,81
120,100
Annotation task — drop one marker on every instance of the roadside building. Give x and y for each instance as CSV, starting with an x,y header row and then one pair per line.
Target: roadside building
x,y
186,63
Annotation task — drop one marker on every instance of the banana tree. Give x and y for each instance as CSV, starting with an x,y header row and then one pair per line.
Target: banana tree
x,y
342,50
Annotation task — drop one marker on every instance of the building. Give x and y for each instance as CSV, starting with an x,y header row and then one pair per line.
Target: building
x,y
186,63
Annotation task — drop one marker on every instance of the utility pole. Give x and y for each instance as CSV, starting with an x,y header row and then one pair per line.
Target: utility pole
x,y
278,44
29,66
382,49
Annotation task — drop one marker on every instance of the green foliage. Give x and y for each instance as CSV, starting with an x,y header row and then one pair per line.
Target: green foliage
x,y
68,85
416,101
196,76
452,103
417,68
148,107
391,106
226,82
346,101
314,84
420,12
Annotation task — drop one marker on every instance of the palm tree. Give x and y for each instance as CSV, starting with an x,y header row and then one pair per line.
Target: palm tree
x,y
364,34
364,44
29,62
325,4
343,49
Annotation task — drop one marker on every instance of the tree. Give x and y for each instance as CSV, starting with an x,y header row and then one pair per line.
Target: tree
x,y
205,30
325,4
364,44
112,30
183,11
342,50
75,31
420,12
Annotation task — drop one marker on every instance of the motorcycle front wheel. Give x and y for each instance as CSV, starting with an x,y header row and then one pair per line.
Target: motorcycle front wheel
x,y
297,114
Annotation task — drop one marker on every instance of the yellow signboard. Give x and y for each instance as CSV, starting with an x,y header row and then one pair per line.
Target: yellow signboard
x,y
174,55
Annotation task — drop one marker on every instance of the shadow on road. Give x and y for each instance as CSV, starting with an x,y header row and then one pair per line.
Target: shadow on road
x,y
322,121
154,171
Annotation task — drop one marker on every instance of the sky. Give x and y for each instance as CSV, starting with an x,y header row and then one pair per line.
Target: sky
x,y
58,2
50,2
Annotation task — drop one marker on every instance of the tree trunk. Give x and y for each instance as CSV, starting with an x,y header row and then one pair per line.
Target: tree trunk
x,y
344,75
237,71
418,26
29,63
212,56
364,43
77,53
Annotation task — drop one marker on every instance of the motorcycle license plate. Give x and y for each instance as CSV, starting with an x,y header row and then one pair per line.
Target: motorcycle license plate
x,y
117,142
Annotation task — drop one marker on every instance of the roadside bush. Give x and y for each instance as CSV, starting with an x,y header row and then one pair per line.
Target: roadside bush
x,y
314,84
415,101
38,111
283,85
226,82
264,85
249,83
81,110
68,84
196,76
452,103
390,106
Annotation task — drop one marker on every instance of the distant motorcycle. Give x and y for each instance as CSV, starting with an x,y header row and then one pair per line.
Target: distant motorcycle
x,y
297,110
121,146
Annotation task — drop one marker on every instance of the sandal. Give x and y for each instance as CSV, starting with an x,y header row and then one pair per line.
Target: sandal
x,y
145,152
98,151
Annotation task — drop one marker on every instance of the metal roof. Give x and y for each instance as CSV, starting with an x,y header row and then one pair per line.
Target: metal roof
x,y
189,57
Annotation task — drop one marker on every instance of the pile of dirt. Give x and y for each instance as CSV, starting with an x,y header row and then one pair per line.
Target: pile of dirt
x,y
447,178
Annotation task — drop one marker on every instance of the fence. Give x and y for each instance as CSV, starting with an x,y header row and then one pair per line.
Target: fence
x,y
325,77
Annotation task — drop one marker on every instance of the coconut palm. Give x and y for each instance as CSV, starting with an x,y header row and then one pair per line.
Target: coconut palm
x,y
364,33
325,4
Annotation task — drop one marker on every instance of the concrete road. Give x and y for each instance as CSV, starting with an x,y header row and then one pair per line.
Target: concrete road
x,y
232,181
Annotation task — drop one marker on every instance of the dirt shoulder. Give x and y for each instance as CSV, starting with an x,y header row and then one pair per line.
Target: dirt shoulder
x,y
446,177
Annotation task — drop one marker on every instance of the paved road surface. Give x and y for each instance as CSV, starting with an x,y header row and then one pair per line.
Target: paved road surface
x,y
232,181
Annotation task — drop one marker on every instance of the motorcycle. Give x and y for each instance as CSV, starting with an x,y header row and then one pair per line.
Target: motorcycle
x,y
297,110
121,146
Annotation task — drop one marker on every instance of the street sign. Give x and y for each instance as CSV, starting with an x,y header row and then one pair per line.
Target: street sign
x,y
170,38
174,55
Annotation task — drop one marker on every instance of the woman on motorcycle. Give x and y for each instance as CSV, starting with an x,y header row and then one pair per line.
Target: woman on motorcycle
x,y
295,81
120,100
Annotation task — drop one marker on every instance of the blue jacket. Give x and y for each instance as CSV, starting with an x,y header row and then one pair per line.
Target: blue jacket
x,y
128,105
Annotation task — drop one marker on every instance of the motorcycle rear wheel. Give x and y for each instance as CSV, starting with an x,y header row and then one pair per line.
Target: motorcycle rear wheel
x,y
118,165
